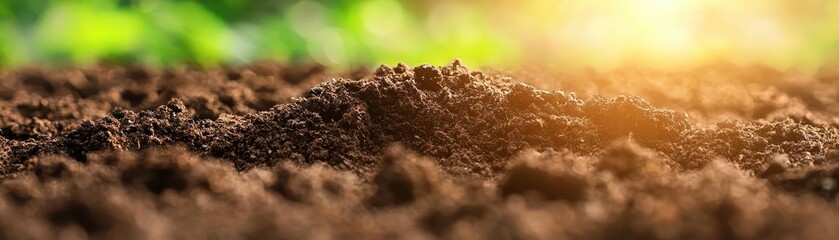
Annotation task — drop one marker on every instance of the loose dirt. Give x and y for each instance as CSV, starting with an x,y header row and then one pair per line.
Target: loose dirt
x,y
268,150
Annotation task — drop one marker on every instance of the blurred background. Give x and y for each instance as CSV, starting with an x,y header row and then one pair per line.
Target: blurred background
x,y
664,34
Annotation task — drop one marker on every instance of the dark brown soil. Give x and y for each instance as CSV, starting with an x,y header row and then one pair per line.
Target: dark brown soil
x,y
267,151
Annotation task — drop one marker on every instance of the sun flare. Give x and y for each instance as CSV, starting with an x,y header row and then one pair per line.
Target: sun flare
x,y
679,33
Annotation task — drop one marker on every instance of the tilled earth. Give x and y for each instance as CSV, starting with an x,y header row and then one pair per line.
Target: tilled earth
x,y
278,151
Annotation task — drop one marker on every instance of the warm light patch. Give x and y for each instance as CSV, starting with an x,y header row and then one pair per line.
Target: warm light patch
x,y
676,33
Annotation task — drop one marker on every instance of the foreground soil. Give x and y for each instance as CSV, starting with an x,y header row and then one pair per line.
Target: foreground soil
x,y
268,151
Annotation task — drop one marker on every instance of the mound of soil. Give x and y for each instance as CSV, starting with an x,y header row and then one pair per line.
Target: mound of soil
x,y
266,150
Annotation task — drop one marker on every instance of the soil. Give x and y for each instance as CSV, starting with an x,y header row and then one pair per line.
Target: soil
x,y
277,151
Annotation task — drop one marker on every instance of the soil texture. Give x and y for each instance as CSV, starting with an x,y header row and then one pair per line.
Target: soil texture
x,y
278,151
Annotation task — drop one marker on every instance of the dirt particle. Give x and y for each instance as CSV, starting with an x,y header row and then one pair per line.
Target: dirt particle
x,y
404,178
427,77
552,181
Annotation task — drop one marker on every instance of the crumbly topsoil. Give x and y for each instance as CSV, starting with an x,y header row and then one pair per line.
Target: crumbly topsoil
x,y
429,152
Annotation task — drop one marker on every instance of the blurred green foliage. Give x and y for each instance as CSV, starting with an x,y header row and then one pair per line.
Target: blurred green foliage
x,y
590,33
162,32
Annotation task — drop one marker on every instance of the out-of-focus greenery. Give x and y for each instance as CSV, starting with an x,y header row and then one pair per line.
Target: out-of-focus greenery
x,y
599,34
161,32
